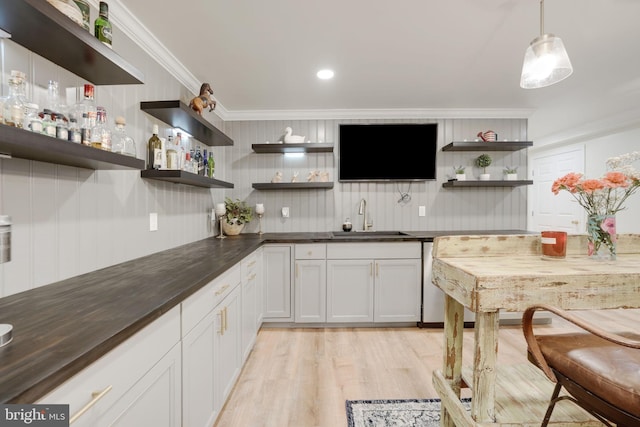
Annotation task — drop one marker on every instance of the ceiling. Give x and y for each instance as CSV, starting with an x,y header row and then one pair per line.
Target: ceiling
x,y
395,55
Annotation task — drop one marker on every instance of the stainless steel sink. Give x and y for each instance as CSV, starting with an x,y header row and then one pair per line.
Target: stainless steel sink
x,y
366,234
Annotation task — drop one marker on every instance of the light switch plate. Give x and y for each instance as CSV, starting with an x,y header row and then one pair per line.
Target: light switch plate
x,y
422,211
285,212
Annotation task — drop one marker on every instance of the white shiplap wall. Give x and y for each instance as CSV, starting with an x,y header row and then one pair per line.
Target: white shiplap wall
x,y
69,221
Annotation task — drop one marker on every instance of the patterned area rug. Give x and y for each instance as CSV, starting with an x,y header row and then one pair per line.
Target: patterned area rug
x,y
396,413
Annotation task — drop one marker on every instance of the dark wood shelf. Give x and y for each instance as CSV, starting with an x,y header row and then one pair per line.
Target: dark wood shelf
x,y
44,30
292,185
456,184
307,147
23,144
182,177
180,115
487,146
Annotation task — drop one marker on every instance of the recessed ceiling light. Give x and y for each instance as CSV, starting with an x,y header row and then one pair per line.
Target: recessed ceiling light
x,y
325,74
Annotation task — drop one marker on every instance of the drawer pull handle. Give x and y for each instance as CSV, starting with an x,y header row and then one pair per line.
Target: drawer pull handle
x,y
252,263
221,314
253,276
221,290
96,395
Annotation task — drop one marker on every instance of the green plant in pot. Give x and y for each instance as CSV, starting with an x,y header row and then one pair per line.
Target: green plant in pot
x,y
483,161
510,173
237,215
459,172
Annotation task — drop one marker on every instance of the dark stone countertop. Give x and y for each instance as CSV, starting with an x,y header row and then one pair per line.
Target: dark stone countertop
x,y
61,328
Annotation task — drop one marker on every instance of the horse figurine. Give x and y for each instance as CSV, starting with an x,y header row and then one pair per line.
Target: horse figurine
x,y
203,100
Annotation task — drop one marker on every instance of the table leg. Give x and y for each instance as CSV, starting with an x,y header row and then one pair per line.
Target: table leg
x,y
484,367
453,328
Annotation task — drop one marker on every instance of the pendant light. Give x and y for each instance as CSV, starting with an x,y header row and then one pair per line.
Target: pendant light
x,y
546,61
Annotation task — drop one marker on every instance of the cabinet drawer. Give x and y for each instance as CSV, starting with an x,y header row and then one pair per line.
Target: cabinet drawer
x,y
202,302
249,267
119,370
375,250
311,251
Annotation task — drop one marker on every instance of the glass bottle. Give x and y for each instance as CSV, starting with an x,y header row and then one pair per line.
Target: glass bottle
x,y
122,143
32,120
85,130
87,105
101,134
13,106
62,128
154,150
74,131
48,123
53,99
211,164
199,162
102,26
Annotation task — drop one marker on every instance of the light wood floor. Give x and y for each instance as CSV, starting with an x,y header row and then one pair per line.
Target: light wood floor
x,y
302,377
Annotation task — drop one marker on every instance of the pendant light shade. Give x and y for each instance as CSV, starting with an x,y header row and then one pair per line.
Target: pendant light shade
x,y
546,61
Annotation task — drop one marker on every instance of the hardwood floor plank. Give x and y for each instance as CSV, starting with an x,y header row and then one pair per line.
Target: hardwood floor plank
x,y
297,377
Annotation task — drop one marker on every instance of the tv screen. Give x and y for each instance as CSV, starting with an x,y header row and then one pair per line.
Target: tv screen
x,y
387,152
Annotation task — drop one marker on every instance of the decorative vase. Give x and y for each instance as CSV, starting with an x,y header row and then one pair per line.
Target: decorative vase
x,y
485,176
231,229
511,176
602,237
461,177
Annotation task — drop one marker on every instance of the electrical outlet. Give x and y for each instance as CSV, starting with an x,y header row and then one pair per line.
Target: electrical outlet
x,y
285,212
422,211
153,221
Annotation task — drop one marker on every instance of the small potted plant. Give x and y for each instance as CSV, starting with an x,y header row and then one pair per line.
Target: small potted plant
x,y
460,174
237,215
510,173
483,161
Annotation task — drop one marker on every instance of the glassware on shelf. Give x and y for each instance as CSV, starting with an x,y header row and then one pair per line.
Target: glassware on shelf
x,y
121,142
14,106
260,213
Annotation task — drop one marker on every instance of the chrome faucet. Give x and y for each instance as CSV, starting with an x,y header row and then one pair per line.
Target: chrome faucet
x,y
362,210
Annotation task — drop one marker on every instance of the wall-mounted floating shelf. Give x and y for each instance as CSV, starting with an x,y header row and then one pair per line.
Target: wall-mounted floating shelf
x,y
292,185
308,147
23,144
44,30
487,146
182,177
456,184
180,115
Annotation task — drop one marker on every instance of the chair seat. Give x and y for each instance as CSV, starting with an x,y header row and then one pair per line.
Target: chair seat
x,y
610,371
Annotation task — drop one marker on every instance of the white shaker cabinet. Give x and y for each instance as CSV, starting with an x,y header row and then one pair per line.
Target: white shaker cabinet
x,y
277,282
135,384
374,282
310,284
251,283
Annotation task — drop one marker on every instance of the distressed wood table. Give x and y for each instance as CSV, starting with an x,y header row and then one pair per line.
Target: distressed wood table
x,y
488,274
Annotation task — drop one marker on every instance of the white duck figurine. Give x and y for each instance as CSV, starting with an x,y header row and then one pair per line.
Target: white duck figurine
x,y
292,139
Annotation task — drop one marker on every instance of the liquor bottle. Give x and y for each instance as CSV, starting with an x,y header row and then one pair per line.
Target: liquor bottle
x,y
101,134
122,143
154,150
53,101
85,130
14,106
102,26
87,106
211,164
74,131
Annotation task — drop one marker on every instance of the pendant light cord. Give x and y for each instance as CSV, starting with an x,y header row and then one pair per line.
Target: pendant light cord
x,y
541,17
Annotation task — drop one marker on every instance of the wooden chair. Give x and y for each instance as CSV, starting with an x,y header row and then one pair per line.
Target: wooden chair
x,y
600,370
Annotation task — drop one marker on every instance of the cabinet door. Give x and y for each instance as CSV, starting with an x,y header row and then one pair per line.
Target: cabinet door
x,y
350,290
397,290
198,378
310,291
228,356
259,288
155,400
277,282
248,312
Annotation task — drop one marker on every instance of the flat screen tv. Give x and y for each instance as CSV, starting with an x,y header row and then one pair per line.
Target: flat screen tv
x,y
387,152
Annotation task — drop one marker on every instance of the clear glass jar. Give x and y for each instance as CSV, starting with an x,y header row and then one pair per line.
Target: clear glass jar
x,y
13,106
62,128
121,142
48,123
32,120
74,131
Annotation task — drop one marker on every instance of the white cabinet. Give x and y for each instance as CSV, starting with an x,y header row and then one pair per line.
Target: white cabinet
x,y
251,283
374,282
135,384
349,290
277,282
310,284
210,347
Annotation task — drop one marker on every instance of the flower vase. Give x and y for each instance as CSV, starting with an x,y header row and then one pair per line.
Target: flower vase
x,y
602,237
231,229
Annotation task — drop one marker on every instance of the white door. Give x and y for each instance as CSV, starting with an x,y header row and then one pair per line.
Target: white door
x,y
550,211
